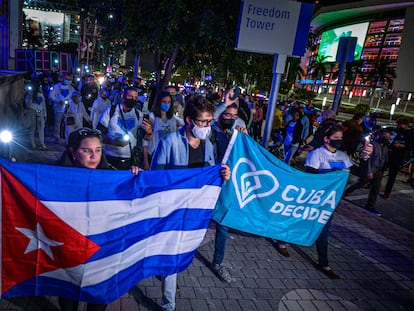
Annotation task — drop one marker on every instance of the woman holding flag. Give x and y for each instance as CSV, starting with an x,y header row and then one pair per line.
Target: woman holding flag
x,y
327,158
85,150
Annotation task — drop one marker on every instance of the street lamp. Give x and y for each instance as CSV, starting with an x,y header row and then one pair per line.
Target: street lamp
x,y
398,101
392,111
323,103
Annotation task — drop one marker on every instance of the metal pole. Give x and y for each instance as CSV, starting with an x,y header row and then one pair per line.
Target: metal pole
x,y
136,66
278,68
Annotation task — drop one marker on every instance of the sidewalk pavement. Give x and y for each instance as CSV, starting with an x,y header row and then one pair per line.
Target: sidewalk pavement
x,y
373,256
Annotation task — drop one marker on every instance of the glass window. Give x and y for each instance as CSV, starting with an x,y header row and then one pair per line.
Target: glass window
x,y
396,25
377,27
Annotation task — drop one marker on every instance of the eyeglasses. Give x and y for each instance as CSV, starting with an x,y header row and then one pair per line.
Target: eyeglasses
x,y
85,132
203,122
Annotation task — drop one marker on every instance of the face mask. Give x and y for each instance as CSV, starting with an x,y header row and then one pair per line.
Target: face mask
x,y
227,123
336,143
201,132
130,103
67,82
165,107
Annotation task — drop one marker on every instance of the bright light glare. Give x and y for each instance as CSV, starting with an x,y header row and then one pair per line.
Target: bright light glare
x,y
6,136
101,80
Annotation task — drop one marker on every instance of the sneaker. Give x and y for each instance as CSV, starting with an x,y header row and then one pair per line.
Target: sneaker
x,y
42,147
222,272
373,211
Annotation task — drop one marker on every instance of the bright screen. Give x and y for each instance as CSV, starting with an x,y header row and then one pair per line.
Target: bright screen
x,y
38,22
330,40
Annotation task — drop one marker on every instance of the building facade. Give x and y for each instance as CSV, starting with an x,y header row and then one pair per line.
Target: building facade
x,y
385,43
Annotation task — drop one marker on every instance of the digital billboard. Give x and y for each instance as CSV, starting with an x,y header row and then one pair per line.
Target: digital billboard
x,y
40,22
328,46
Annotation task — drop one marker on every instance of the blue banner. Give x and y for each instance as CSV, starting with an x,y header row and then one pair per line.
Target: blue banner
x,y
267,197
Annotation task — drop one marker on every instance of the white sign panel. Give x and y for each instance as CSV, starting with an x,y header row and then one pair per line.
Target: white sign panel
x,y
274,27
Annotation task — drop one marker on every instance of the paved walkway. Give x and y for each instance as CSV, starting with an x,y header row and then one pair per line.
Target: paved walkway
x,y
373,256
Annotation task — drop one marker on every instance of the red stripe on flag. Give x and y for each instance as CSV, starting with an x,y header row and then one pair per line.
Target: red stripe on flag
x,y
21,209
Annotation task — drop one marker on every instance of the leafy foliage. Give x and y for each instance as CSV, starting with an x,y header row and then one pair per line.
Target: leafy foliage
x,y
192,34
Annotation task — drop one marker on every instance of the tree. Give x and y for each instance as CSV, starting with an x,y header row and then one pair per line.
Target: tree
x,y
179,32
318,68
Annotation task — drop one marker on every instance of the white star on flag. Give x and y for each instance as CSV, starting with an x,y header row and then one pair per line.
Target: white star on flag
x,y
38,239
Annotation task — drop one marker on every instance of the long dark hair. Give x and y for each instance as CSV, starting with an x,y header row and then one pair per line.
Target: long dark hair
x,y
74,142
156,108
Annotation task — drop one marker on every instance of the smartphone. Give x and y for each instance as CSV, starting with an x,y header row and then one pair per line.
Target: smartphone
x,y
146,116
236,94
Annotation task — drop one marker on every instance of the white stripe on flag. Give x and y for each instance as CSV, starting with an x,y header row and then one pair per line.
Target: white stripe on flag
x,y
164,243
96,217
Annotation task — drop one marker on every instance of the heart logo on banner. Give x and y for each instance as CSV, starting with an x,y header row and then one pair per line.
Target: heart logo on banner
x,y
250,183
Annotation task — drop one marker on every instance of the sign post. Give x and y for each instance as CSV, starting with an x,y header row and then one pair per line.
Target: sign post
x,y
279,28
278,68
346,50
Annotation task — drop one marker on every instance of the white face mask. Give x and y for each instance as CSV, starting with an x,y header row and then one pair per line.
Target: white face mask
x,y
201,132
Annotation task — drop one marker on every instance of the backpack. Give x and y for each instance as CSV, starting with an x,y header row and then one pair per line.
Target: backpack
x,y
137,153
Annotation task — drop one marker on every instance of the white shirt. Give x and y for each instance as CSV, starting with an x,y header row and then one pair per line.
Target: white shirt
x,y
162,128
98,107
116,129
78,112
325,161
59,94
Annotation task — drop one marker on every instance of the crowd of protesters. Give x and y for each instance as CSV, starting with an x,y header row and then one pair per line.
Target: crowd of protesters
x,y
180,129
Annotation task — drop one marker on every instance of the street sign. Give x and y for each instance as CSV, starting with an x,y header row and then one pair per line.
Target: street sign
x,y
273,27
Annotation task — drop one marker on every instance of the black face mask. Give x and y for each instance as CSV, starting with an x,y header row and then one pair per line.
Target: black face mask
x,y
227,123
130,103
336,143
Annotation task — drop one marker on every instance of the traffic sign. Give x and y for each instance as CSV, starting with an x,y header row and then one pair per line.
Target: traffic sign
x,y
274,27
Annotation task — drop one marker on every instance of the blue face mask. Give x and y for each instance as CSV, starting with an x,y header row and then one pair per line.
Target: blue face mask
x,y
67,82
165,107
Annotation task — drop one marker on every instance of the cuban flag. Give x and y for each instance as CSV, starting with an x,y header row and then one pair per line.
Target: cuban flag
x,y
91,235
267,197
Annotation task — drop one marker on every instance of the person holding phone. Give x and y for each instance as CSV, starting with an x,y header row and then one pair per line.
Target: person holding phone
x,y
120,125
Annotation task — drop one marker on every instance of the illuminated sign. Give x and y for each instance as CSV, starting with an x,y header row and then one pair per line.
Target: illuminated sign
x,y
330,40
39,23
44,60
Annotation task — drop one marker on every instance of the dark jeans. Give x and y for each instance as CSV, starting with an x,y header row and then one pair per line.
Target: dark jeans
x,y
375,188
322,244
392,175
220,243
